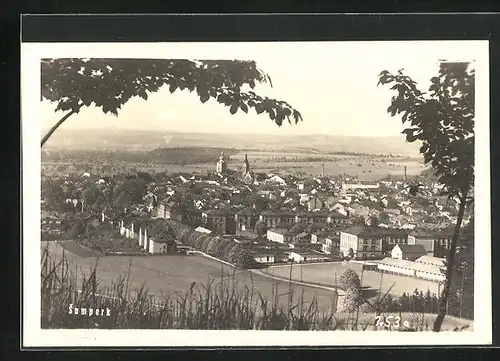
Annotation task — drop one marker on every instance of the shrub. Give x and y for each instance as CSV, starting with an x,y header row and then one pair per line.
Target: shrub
x,y
219,247
206,242
349,279
200,241
240,257
352,299
227,250
212,246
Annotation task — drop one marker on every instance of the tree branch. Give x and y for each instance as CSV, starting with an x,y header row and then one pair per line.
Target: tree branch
x,y
450,265
62,120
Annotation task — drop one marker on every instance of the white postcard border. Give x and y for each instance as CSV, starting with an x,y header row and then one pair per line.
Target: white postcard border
x,y
34,336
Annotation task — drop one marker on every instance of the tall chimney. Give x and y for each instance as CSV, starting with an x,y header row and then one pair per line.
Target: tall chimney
x,y
323,170
405,177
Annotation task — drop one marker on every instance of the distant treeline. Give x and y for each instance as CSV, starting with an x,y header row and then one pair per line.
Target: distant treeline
x,y
177,155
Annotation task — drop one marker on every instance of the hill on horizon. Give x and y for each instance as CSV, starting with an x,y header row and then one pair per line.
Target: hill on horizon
x,y
126,139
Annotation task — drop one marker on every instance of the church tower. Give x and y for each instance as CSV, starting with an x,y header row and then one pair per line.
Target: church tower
x,y
248,175
221,164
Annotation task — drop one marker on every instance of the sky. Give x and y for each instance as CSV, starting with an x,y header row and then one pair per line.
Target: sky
x,y
332,84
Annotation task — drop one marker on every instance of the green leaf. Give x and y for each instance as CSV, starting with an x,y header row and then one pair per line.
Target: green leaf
x,y
244,107
109,83
204,98
143,94
234,108
172,87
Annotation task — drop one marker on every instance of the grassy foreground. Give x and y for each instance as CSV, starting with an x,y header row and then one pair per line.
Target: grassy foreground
x,y
213,305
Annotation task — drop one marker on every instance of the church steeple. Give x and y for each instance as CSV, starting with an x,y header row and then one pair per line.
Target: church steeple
x,y
247,172
221,164
247,164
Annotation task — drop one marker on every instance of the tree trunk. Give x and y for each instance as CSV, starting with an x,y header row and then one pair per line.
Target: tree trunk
x,y
443,301
54,128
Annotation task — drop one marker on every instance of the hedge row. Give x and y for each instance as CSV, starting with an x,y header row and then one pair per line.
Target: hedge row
x,y
221,248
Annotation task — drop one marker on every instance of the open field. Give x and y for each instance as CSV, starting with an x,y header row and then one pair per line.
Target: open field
x,y
365,167
324,274
175,273
165,273
129,139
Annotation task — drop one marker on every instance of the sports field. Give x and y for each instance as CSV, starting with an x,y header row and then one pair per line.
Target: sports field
x,y
170,274
325,273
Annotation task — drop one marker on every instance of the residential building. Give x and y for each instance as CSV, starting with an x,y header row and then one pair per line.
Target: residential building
x,y
245,219
300,256
337,219
270,218
157,246
359,185
367,242
302,238
219,221
264,257
315,203
331,244
423,238
279,235
276,179
156,241
169,210
442,242
287,217
408,252
311,217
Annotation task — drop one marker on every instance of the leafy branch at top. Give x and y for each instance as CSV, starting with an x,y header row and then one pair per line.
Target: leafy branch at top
x,y
110,83
443,120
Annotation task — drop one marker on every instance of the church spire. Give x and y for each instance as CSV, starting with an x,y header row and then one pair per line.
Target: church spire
x,y
247,164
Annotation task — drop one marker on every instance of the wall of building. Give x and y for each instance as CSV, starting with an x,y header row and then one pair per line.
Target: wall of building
x,y
398,270
275,237
396,253
348,241
430,276
265,259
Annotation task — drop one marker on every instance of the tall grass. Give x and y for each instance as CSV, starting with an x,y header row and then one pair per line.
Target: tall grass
x,y
218,304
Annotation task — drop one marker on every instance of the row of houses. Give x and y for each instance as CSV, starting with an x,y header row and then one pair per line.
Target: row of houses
x,y
364,242
153,239
231,221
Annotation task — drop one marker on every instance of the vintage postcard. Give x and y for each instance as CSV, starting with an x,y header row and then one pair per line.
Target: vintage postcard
x,y
256,194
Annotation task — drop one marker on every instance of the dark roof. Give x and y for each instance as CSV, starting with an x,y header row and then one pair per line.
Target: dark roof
x,y
302,235
282,231
246,211
412,248
375,231
337,215
247,234
421,233
218,212
444,232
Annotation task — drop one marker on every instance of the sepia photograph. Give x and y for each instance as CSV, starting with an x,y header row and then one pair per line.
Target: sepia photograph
x,y
232,194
